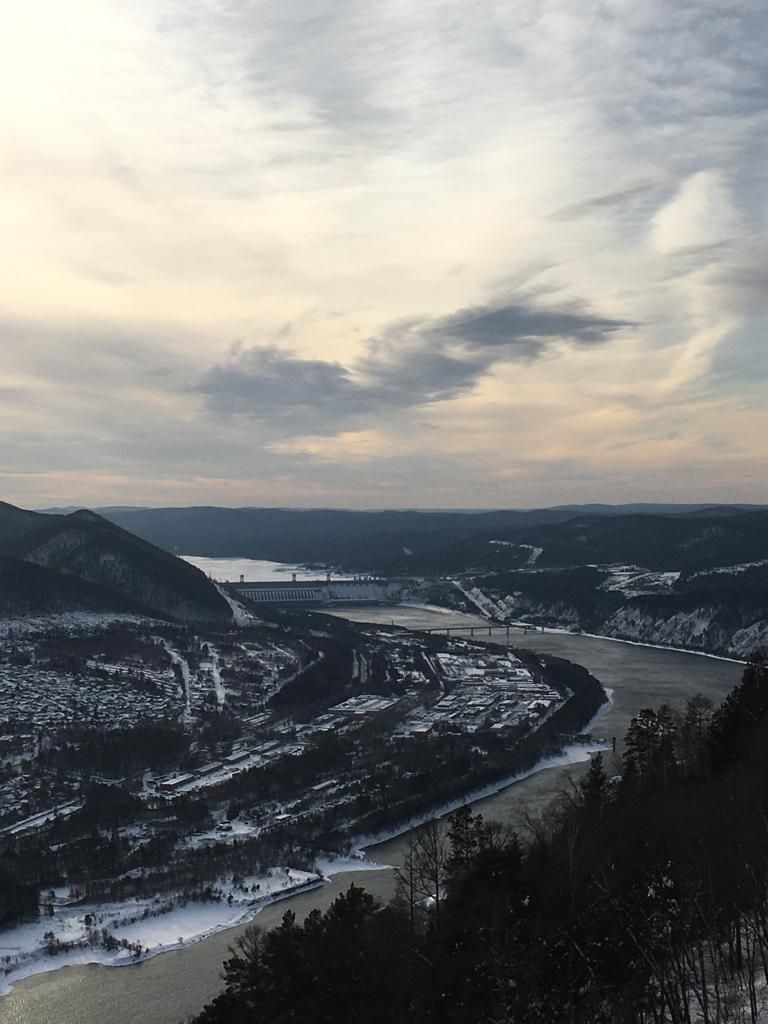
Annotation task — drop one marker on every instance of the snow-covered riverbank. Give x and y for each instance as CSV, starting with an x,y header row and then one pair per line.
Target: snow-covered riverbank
x,y
641,643
573,754
117,934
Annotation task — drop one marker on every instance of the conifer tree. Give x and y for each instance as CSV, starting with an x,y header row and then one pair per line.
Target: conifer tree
x,y
465,832
739,725
593,788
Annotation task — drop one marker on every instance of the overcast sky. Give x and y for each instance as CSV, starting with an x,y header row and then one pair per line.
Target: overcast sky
x,y
413,252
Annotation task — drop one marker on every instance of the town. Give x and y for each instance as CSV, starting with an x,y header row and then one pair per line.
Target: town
x,y
143,761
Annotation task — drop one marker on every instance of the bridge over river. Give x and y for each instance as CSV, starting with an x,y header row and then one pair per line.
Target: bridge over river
x,y
489,629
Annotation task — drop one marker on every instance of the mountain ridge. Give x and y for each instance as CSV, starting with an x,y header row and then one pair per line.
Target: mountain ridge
x,y
402,542
118,570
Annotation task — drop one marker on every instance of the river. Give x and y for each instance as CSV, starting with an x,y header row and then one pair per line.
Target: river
x,y
171,987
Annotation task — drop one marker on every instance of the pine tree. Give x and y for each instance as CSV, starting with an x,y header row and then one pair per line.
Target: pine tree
x,y
693,732
640,742
740,722
593,788
465,832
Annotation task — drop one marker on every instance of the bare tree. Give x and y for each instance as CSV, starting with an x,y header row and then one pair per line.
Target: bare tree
x,y
430,858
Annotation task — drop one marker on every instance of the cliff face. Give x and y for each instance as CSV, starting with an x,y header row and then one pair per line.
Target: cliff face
x,y
721,611
719,627
125,570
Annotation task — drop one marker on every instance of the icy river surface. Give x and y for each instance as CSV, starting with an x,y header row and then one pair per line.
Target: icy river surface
x,y
172,986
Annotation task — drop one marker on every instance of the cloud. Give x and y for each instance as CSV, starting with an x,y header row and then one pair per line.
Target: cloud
x,y
606,201
292,396
411,363
699,216
741,276
265,381
525,330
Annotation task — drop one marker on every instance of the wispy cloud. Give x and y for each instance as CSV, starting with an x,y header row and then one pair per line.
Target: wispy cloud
x,y
606,201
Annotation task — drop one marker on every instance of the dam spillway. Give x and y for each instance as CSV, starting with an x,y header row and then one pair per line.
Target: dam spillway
x,y
309,593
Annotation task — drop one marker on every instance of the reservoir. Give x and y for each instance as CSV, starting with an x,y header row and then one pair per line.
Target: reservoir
x,y
171,987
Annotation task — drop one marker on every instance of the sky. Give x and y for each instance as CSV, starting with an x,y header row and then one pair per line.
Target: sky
x,y
364,254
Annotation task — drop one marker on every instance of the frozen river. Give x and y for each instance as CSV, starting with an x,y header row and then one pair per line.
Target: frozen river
x,y
229,570
174,985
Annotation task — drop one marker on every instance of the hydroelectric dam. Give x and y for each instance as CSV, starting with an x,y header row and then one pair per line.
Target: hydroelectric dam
x,y
317,593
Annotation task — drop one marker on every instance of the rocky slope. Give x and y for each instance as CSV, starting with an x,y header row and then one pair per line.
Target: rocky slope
x,y
722,611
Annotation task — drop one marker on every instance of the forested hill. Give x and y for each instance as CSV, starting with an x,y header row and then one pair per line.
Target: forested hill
x,y
640,898
15,522
89,563
659,542
413,542
27,589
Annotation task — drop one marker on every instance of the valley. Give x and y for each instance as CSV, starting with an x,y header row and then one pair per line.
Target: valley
x,y
180,981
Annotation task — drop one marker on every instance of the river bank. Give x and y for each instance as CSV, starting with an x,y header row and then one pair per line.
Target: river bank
x,y
153,927
122,934
128,933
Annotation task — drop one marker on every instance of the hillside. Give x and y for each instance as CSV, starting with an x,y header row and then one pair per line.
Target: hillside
x,y
680,542
15,522
657,542
722,610
123,571
29,589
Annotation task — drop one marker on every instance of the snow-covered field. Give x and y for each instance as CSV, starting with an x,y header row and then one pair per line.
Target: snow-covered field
x,y
235,830
634,581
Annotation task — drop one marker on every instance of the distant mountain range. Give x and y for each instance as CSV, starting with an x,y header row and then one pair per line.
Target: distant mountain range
x,y
412,542
84,562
